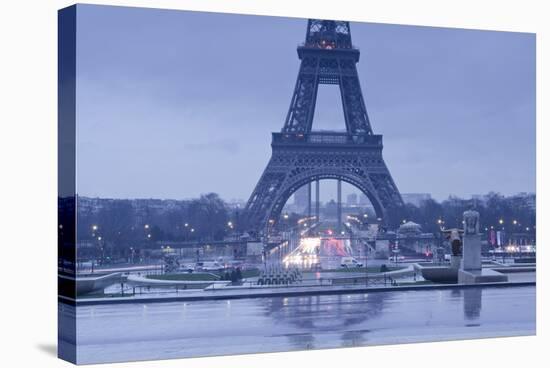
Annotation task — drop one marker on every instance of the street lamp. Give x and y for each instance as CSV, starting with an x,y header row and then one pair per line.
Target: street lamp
x,y
94,227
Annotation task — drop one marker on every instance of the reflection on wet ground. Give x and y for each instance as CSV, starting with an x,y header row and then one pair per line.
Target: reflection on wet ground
x,y
108,333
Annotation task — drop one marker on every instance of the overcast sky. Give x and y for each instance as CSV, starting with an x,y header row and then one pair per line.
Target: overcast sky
x,y
172,104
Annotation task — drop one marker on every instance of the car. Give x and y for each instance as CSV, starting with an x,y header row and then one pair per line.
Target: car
x,y
350,262
209,266
396,258
189,268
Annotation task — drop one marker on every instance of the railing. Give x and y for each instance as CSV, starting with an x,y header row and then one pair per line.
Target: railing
x,y
125,289
328,46
327,138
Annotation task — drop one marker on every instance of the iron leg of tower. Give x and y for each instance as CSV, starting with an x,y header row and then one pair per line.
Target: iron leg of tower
x,y
317,200
339,207
309,200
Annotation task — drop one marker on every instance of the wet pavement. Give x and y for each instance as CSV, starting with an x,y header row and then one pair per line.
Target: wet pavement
x,y
121,332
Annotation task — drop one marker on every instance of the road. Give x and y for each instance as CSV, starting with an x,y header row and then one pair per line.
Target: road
x,y
110,333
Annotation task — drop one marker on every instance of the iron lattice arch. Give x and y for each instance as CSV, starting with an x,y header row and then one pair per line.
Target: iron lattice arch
x,y
300,155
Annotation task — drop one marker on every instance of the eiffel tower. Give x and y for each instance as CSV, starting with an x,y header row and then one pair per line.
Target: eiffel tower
x,y
301,156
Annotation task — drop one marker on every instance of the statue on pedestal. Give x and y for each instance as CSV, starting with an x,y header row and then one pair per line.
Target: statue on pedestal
x,y
471,269
471,252
471,222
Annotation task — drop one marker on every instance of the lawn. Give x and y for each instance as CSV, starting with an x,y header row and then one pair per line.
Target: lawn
x,y
185,277
423,282
371,269
253,272
201,276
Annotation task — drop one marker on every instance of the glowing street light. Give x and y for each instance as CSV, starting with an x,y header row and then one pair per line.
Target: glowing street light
x,y
146,226
515,222
186,224
94,227
501,221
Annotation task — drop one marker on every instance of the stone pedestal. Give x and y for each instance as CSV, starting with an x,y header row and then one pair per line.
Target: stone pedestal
x,y
470,271
471,252
480,276
471,259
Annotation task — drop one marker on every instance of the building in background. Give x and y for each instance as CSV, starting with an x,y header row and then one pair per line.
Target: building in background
x,y
301,198
415,199
351,199
363,200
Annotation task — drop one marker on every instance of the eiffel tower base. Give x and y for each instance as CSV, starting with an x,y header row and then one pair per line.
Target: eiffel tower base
x,y
297,161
